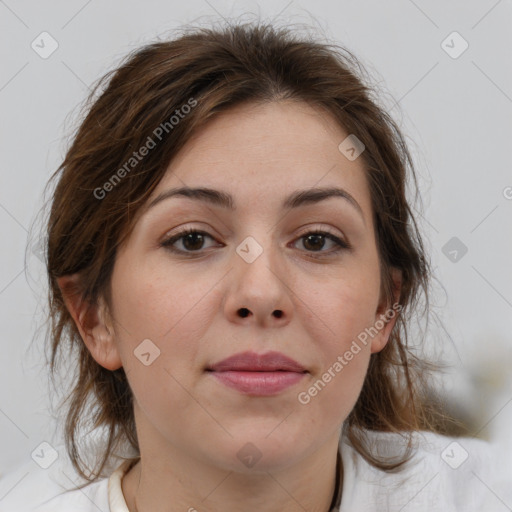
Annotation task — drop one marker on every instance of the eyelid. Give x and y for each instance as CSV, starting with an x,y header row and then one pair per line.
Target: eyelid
x,y
191,226
319,228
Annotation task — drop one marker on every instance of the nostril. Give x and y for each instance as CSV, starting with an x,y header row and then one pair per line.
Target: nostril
x,y
278,313
243,312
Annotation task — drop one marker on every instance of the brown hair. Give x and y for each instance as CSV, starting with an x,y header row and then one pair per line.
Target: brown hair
x,y
212,70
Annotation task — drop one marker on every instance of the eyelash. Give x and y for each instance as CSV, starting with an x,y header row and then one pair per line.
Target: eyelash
x,y
342,245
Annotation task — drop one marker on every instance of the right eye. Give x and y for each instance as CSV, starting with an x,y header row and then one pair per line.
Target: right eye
x,y
192,240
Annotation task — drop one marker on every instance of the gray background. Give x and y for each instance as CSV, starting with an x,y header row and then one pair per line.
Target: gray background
x,y
455,112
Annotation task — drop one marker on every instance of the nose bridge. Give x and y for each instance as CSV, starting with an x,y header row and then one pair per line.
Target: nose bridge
x,y
259,288
259,259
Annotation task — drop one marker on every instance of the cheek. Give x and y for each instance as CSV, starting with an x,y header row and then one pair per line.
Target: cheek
x,y
334,388
173,312
339,310
158,305
339,315
332,394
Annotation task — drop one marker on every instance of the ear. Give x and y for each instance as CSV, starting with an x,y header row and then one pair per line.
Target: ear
x,y
92,321
387,314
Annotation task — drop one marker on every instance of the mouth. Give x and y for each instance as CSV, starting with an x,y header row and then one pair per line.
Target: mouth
x,y
258,375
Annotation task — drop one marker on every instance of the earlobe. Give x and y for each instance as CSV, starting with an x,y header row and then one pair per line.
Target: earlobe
x,y
92,321
387,314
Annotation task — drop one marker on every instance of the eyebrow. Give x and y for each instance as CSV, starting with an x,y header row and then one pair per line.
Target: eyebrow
x,y
225,200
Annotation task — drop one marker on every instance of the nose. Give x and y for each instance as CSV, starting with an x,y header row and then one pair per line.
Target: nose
x,y
258,292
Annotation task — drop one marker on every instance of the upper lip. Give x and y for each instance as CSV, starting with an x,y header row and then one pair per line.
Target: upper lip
x,y
253,362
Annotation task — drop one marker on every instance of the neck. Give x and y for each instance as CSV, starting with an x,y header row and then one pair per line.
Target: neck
x,y
179,482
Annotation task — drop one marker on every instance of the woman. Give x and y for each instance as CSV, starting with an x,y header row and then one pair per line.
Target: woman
x,y
233,258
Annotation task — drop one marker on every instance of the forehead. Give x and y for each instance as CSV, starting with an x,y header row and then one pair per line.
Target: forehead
x,y
262,152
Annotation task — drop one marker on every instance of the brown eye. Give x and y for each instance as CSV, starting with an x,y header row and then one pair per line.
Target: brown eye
x,y
191,240
315,241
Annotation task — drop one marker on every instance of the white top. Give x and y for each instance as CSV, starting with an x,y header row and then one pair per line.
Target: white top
x,y
446,475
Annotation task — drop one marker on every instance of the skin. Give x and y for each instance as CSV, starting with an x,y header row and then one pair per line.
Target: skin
x,y
190,426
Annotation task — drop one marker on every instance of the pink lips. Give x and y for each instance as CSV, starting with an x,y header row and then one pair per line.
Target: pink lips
x,y
259,375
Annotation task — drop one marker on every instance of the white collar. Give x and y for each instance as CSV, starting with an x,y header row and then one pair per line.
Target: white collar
x,y
116,500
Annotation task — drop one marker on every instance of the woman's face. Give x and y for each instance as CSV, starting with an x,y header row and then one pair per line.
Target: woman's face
x,y
250,280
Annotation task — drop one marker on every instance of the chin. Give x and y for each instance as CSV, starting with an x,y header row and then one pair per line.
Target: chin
x,y
250,453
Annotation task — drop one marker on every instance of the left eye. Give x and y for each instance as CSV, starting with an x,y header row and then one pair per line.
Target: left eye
x,y
316,241
192,240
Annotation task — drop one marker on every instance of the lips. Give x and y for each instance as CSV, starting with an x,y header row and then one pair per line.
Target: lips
x,y
252,362
258,375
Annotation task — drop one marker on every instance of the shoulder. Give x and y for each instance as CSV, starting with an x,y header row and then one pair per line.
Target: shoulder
x,y
31,488
444,474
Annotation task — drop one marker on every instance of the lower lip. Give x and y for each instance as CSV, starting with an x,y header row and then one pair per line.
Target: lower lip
x,y
258,383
